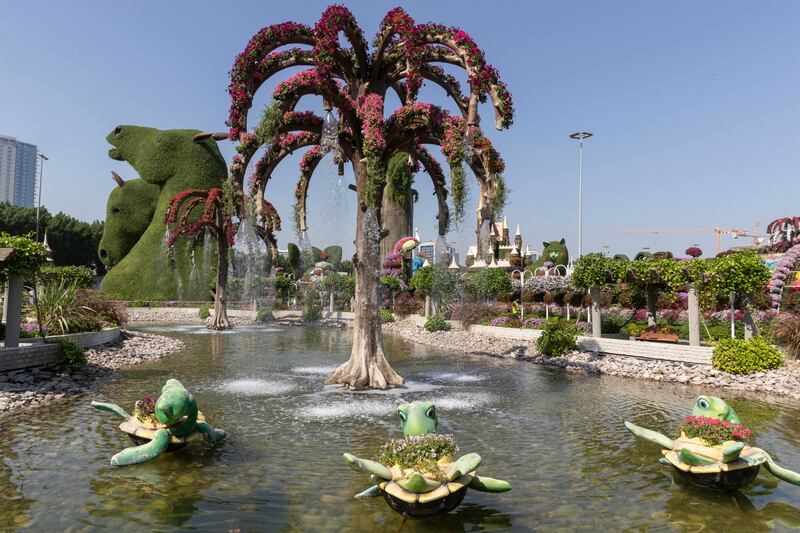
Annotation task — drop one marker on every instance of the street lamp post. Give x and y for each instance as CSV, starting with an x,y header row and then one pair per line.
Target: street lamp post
x,y
580,136
39,200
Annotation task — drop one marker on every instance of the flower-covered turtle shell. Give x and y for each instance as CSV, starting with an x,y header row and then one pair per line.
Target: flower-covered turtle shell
x,y
144,430
749,457
445,488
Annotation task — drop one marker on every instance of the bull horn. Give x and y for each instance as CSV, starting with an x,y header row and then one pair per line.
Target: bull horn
x,y
203,135
117,178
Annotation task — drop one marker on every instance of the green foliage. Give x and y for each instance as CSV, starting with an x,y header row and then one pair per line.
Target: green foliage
x,y
28,255
612,322
334,255
71,355
746,356
500,198
458,191
437,282
742,273
391,283
129,212
204,311
346,266
264,315
284,285
597,269
73,242
437,323
267,127
342,286
422,280
490,283
386,316
293,254
559,337
633,329
419,453
62,311
398,179
555,252
312,311
82,276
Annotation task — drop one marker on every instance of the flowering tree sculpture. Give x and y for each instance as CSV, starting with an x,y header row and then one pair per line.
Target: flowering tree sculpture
x,y
353,82
181,221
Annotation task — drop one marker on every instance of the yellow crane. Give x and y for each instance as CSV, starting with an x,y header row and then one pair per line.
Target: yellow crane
x,y
735,232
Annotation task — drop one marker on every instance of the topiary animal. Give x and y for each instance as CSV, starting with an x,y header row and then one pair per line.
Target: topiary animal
x,y
554,252
172,160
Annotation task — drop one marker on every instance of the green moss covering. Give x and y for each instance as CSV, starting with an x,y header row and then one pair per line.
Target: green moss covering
x,y
398,178
171,160
129,212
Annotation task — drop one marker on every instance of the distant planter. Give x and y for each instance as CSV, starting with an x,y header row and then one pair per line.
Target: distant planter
x,y
658,335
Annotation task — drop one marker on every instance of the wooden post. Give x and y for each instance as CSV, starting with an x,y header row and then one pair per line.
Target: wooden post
x,y
427,306
595,293
330,304
12,310
694,316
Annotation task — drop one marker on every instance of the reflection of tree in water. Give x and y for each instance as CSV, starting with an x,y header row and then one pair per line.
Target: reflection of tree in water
x,y
694,508
15,506
167,489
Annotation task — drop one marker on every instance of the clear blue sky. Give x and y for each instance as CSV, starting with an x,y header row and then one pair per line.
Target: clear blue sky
x,y
694,105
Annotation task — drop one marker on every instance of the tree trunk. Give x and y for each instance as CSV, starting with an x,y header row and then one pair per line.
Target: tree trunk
x,y
398,219
367,366
595,293
652,298
220,318
694,317
12,310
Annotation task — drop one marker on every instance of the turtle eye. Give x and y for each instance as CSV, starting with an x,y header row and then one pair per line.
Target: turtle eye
x,y
431,412
402,415
703,403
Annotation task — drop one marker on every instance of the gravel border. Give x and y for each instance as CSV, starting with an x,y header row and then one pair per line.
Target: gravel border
x,y
784,381
40,386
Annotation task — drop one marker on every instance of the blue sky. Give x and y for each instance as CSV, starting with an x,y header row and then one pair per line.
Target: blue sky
x,y
694,105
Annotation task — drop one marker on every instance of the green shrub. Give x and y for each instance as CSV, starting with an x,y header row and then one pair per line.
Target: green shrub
x,y
746,356
786,334
559,337
139,303
71,355
264,315
82,276
633,329
437,323
312,311
204,311
386,316
612,322
62,310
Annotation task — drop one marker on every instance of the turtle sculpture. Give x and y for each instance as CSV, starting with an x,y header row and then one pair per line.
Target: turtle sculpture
x,y
711,451
173,419
417,475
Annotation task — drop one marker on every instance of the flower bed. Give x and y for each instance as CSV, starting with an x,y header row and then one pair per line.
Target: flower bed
x,y
713,430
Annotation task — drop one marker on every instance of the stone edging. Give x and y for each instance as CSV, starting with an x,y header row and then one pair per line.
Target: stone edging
x,y
39,353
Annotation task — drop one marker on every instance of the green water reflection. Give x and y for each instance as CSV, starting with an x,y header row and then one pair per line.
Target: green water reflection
x,y
557,436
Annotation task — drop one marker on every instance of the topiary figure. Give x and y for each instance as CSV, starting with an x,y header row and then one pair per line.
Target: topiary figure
x,y
129,212
554,252
172,160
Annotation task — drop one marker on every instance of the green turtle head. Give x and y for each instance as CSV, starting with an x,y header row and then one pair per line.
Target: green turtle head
x,y
417,418
713,407
174,402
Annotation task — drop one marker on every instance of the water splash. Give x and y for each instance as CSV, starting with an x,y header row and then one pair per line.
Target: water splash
x,y
249,263
257,387
330,133
314,370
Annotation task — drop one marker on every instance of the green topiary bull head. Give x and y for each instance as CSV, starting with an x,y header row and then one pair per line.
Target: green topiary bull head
x,y
129,211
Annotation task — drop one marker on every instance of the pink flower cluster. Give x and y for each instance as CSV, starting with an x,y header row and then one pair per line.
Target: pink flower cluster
x,y
334,19
241,87
411,41
369,110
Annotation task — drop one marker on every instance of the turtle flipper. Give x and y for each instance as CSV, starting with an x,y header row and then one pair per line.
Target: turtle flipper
x,y
649,434
465,464
781,473
691,458
374,490
731,452
664,461
111,408
210,434
418,484
488,484
365,465
145,452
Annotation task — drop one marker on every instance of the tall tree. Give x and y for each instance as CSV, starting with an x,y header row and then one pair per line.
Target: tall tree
x,y
353,82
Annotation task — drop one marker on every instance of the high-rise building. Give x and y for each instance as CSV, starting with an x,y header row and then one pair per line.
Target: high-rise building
x,y
17,171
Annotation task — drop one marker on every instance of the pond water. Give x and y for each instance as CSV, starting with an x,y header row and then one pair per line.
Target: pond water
x,y
556,436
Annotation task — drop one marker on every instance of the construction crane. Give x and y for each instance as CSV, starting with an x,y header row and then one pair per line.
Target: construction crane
x,y
734,232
